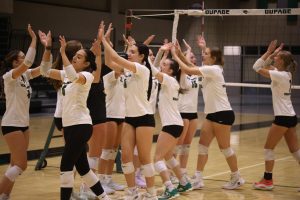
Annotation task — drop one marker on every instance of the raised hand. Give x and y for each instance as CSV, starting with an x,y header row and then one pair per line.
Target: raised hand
x,y
108,32
166,47
278,49
149,40
201,42
272,46
43,38
63,44
129,41
31,32
46,40
96,49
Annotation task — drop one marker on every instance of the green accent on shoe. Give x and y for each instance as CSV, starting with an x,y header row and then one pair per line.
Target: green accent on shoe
x,y
169,194
184,188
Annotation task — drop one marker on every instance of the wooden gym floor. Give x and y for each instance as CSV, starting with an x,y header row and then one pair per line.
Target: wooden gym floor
x,y
248,145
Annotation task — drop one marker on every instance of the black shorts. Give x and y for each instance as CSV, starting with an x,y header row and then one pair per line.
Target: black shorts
x,y
286,121
96,103
189,116
174,130
117,120
9,129
58,123
98,121
145,120
223,117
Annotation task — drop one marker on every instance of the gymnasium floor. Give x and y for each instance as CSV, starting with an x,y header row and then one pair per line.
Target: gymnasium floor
x,y
248,144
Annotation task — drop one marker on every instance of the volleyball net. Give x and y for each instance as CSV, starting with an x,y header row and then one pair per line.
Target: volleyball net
x,y
243,35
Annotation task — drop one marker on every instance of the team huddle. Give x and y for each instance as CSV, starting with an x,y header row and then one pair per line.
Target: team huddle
x,y
110,101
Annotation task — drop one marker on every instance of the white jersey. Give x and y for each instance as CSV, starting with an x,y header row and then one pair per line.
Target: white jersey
x,y
168,102
75,95
136,87
281,93
17,94
153,96
188,101
213,89
115,99
58,108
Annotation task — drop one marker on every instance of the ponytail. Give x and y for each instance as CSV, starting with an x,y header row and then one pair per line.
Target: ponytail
x,y
143,49
6,65
150,79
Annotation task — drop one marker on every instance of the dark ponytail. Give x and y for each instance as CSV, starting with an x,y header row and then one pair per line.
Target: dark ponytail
x,y
176,72
6,65
143,49
90,57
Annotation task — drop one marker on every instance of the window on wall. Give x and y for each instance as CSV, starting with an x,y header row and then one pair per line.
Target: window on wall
x,y
103,5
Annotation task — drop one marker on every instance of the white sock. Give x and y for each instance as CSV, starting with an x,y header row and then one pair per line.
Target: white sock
x,y
235,174
198,174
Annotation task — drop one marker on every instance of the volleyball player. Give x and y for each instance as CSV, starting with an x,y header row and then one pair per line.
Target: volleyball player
x,y
72,47
279,66
219,114
188,107
77,124
113,85
15,77
172,126
139,123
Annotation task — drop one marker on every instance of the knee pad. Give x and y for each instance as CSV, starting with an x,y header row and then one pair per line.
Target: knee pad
x,y
228,152
13,172
147,170
185,150
160,166
202,150
107,154
93,162
296,155
269,154
172,163
128,168
177,149
90,178
135,151
67,179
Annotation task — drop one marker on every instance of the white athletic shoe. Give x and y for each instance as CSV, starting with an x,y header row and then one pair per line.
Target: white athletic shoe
x,y
108,190
148,196
113,185
198,183
86,193
103,196
235,182
133,195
